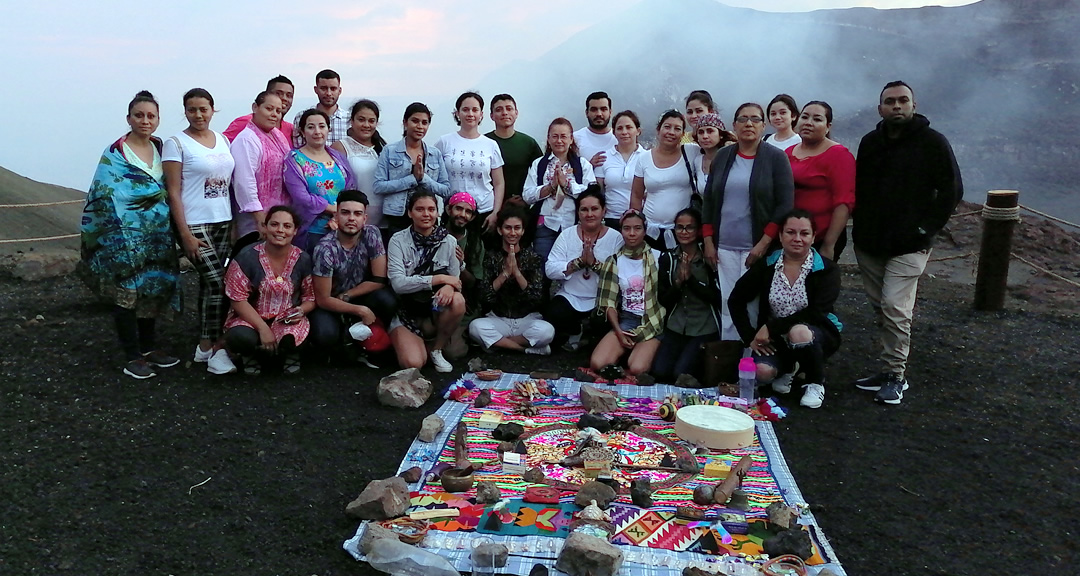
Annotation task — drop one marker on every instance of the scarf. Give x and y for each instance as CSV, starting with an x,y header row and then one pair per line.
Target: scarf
x,y
426,247
416,306
268,176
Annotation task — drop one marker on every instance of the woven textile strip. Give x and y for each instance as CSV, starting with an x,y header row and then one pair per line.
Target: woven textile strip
x,y
671,550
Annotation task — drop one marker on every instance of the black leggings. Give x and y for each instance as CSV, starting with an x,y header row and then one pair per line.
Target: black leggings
x,y
136,334
567,321
245,342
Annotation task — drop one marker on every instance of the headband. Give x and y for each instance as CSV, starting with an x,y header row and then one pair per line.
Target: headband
x,y
711,119
462,197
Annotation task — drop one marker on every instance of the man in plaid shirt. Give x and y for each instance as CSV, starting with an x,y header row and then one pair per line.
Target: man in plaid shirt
x,y
328,89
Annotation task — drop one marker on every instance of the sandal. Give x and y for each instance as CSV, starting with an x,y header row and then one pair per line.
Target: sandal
x,y
292,364
251,366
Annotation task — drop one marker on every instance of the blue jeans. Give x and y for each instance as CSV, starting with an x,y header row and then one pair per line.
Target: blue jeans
x,y
680,354
545,240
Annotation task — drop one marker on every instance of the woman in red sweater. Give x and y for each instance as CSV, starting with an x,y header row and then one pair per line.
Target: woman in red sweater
x,y
824,173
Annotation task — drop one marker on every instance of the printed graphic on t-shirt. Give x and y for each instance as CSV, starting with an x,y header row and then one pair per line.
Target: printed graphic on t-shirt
x,y
216,188
635,295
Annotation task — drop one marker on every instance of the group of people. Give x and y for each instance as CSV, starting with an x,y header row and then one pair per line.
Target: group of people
x,y
320,230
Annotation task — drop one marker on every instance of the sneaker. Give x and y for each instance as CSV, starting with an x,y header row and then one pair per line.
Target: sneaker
x,y
159,359
440,363
203,356
573,343
544,350
139,369
813,396
892,390
252,366
360,332
365,360
291,364
220,363
872,383
782,384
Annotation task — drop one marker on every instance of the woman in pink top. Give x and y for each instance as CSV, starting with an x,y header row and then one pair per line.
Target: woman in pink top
x,y
259,151
824,173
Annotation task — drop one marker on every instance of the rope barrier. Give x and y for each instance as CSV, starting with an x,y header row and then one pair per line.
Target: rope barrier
x,y
1045,271
1049,217
41,204
1001,214
42,239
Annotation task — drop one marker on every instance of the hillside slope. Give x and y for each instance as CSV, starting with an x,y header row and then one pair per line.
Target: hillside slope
x,y
18,223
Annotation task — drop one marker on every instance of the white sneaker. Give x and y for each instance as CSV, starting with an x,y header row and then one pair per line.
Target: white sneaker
x,y
220,363
360,331
782,384
201,355
440,363
813,396
544,350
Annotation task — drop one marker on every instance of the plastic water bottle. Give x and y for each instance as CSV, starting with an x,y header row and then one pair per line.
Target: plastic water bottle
x,y
747,380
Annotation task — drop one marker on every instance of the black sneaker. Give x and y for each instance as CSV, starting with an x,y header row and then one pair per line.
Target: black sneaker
x,y
872,383
139,369
160,359
892,390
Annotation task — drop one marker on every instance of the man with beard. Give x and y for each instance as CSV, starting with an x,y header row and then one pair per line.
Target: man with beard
x,y
518,149
350,281
460,210
596,138
281,87
907,184
328,89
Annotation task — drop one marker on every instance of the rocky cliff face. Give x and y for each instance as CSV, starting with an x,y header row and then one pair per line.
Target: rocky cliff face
x,y
999,78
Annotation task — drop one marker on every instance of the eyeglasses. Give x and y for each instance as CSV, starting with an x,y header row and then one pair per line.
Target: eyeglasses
x,y
690,228
749,119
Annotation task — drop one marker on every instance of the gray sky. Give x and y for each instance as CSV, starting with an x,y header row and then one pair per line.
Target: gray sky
x,y
71,66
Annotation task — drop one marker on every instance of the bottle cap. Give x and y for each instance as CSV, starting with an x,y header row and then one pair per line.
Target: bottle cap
x,y
747,365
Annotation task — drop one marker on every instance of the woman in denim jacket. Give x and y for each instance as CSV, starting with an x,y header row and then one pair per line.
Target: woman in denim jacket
x,y
407,166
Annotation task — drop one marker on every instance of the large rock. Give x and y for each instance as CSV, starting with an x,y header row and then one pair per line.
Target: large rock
x,y
782,516
381,499
430,428
372,533
487,492
584,554
489,555
796,542
597,400
42,265
404,389
589,491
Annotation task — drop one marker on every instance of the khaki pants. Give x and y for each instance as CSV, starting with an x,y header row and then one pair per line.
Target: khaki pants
x,y
891,284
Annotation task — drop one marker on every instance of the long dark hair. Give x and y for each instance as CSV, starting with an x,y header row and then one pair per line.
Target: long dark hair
x,y
377,141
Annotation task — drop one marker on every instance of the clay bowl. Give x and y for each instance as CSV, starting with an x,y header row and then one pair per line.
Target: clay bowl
x,y
457,480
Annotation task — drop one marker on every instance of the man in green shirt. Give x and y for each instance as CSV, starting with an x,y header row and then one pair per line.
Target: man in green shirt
x,y
518,149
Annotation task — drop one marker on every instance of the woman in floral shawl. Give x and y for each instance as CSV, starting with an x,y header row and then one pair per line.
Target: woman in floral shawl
x,y
128,250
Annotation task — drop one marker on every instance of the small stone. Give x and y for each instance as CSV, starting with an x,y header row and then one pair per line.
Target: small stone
x,y
641,492
412,475
508,431
380,500
596,400
687,381
538,570
430,428
404,389
597,421
372,533
505,447
594,490
687,464
489,555
533,476
624,423
740,500
477,365
487,492
483,398
583,376
795,542
703,494
782,516
645,379
584,554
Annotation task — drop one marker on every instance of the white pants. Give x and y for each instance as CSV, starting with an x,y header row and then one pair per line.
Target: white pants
x,y
491,328
730,266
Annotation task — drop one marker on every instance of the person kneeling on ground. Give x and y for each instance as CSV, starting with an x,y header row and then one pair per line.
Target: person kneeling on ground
x,y
514,293
798,325
270,287
460,212
350,281
424,271
627,295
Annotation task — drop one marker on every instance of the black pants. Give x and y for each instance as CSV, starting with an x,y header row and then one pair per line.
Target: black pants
x,y
136,334
245,342
567,321
328,328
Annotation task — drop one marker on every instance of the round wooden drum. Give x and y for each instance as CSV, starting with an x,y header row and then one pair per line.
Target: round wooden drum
x,y
715,427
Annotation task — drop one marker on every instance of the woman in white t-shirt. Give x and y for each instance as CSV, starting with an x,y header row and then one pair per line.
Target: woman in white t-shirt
x,y
783,114
362,145
555,180
628,297
198,170
665,181
616,174
574,262
473,162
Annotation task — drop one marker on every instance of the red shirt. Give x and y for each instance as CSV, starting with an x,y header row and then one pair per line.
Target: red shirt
x,y
237,126
823,182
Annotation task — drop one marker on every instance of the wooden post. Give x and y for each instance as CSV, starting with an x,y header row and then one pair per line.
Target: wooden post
x,y
1000,215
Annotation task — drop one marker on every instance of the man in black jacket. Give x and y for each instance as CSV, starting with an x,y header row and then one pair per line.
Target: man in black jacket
x,y
907,185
